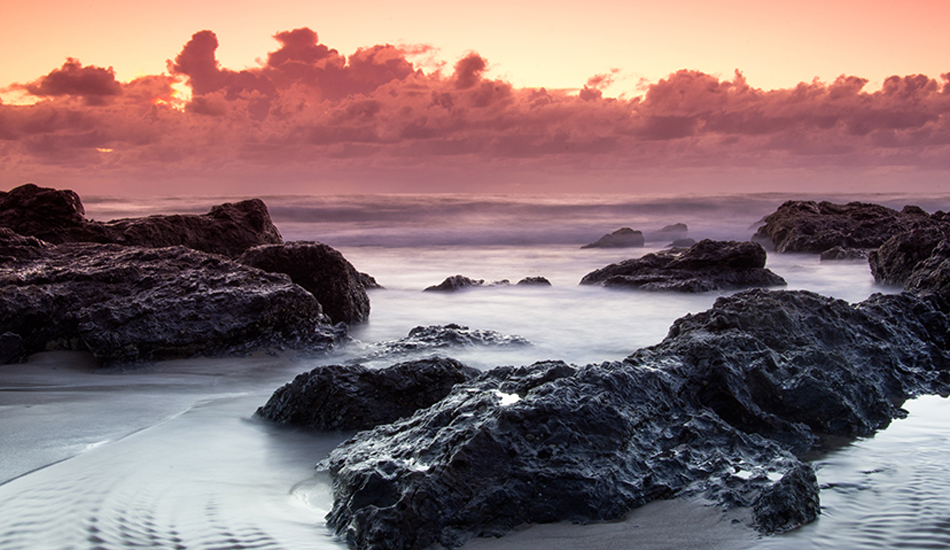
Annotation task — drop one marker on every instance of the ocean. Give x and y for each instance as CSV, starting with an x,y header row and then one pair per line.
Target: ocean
x,y
170,455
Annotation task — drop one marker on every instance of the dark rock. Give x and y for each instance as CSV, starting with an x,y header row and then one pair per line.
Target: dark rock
x,y
839,254
711,411
369,282
621,238
707,265
427,338
453,283
10,345
15,247
57,216
321,271
534,281
675,228
673,231
340,398
897,259
807,226
127,304
682,243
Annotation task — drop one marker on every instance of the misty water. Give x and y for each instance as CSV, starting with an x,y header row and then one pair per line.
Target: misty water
x,y
170,455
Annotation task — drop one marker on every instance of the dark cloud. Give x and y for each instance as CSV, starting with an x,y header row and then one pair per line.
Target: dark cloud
x,y
94,84
468,71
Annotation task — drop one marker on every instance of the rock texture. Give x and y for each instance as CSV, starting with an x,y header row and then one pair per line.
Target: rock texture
x,y
320,270
57,216
707,265
814,227
839,254
621,238
341,398
128,304
713,410
460,282
433,337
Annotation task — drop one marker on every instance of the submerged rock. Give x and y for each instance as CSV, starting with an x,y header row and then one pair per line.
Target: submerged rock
x,y
321,271
57,216
713,410
534,281
814,227
621,238
705,266
353,397
128,304
460,282
427,338
369,282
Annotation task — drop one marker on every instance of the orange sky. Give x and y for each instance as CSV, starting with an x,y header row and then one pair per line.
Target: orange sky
x,y
676,133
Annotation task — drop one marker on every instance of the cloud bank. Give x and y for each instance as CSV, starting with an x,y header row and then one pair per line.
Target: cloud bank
x,y
310,118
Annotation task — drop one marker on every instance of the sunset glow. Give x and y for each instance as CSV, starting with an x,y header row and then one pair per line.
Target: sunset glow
x,y
509,97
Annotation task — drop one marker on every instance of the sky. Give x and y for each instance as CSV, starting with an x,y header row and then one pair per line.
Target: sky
x,y
497,96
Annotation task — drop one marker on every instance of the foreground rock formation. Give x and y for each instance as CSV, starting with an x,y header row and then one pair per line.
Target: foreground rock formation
x,y
708,265
353,397
129,304
814,227
57,216
714,410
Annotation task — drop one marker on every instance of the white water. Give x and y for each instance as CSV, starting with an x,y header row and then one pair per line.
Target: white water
x,y
170,456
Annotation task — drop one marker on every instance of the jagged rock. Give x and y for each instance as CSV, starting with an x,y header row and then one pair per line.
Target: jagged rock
x,y
426,338
459,282
15,247
814,227
534,281
932,275
896,259
57,216
707,265
839,254
320,270
369,282
127,304
692,415
621,238
340,398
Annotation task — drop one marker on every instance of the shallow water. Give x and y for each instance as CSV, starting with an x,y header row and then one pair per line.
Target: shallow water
x,y
170,455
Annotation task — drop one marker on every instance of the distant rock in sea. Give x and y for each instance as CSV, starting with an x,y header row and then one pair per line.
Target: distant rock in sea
x,y
460,282
706,266
534,281
57,216
814,227
621,238
424,339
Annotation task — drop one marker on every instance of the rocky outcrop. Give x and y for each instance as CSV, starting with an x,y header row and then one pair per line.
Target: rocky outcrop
x,y
898,258
814,227
128,304
713,410
369,282
320,270
460,282
708,265
534,281
58,216
839,254
428,338
342,398
621,238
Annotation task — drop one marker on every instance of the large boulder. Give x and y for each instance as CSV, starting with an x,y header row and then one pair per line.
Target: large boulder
x,y
898,257
322,271
621,238
58,216
814,227
128,304
713,410
707,265
353,397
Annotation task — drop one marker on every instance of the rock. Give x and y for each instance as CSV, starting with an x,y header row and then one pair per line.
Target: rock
x,y
706,266
369,282
673,231
534,281
128,304
428,338
621,238
711,411
675,228
321,271
897,259
932,275
682,243
839,254
15,247
807,226
57,216
10,345
342,398
459,282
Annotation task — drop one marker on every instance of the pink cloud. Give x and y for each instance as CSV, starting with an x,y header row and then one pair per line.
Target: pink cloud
x,y
309,108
